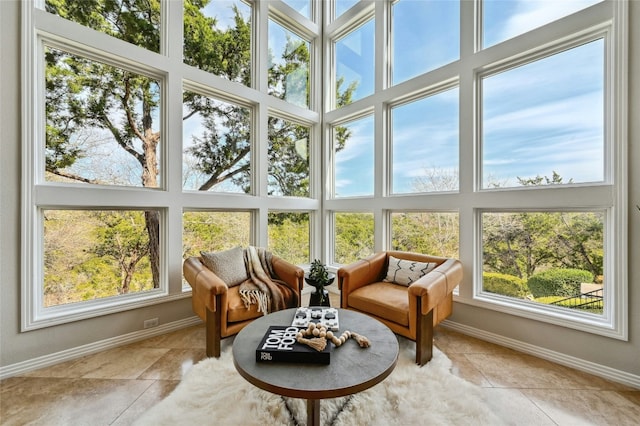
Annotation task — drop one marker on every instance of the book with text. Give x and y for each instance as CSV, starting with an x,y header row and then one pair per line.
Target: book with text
x,y
279,345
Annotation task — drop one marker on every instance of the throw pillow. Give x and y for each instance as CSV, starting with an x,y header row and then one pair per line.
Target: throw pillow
x,y
405,272
227,264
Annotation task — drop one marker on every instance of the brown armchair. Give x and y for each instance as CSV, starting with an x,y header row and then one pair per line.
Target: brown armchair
x,y
221,307
408,310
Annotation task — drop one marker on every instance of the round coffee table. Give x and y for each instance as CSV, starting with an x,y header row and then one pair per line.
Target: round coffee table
x,y
352,368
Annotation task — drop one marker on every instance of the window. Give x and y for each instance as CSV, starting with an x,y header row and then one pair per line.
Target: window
x,y
216,145
94,254
217,38
502,145
425,144
289,65
425,35
551,125
426,232
504,19
355,62
288,158
552,258
353,154
289,236
136,22
144,145
214,231
354,236
102,122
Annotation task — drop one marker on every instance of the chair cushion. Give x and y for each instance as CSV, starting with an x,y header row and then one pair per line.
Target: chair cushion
x,y
236,310
384,300
405,272
228,265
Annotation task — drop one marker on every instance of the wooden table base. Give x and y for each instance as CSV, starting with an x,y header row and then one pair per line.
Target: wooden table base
x,y
313,412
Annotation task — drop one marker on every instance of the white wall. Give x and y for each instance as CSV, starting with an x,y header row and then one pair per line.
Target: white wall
x,y
612,357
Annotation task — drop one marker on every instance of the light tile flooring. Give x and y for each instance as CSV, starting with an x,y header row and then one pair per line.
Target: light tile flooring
x,y
116,386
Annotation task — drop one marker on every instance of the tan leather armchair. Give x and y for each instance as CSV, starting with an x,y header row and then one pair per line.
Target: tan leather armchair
x,y
410,311
221,307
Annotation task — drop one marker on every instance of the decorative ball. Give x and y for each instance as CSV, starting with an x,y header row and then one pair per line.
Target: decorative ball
x,y
329,334
316,332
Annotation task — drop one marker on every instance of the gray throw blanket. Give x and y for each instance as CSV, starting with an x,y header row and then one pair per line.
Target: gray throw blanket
x,y
269,293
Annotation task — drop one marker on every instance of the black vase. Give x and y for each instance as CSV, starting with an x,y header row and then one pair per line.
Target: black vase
x,y
320,297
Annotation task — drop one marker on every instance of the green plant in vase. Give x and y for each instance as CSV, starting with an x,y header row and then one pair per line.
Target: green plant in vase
x,y
319,277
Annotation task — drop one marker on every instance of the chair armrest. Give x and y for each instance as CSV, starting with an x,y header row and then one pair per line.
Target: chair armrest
x,y
291,274
437,284
203,281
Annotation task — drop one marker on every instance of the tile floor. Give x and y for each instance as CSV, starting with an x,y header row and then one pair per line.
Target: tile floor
x,y
116,386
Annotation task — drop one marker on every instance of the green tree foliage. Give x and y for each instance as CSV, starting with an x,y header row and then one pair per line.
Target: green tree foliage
x,y
214,231
426,232
289,158
289,236
564,282
353,236
521,243
506,285
223,52
76,266
120,237
134,21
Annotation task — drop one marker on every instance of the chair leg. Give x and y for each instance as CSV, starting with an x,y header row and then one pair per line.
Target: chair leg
x,y
213,332
424,339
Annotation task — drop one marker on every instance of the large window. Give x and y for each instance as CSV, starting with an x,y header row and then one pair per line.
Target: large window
x,y
102,122
145,145
326,130
497,140
553,258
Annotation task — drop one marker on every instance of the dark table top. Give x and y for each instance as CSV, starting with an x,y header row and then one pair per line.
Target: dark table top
x,y
352,368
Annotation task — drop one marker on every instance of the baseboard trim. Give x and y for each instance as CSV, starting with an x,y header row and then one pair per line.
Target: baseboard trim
x,y
91,348
557,357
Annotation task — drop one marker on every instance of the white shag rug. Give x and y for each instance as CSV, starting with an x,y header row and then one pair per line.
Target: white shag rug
x,y
213,393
